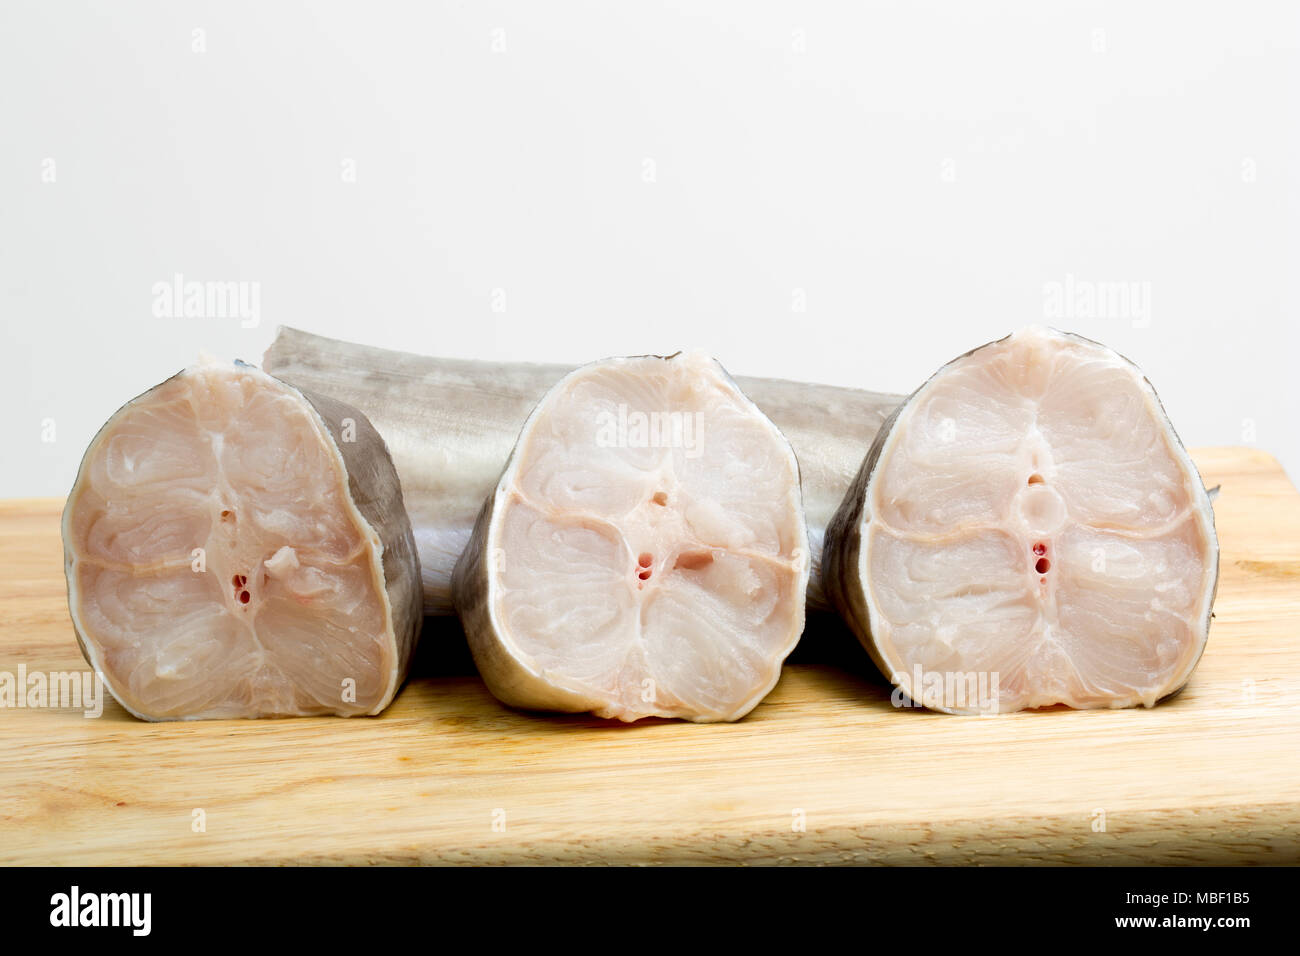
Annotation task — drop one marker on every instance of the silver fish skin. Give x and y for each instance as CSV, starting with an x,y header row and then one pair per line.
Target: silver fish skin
x,y
451,424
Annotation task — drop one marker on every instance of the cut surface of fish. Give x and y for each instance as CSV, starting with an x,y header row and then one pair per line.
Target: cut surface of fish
x,y
1028,530
451,425
644,552
235,548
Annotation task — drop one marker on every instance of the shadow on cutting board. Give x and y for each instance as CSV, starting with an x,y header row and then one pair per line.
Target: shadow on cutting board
x,y
828,652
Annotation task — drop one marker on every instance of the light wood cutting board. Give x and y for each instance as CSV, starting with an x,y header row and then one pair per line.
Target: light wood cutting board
x,y
825,770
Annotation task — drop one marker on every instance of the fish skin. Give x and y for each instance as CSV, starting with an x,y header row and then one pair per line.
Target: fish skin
x,y
451,425
376,491
842,549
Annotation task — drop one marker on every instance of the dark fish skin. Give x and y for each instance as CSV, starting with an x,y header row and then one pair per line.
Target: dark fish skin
x,y
376,491
842,585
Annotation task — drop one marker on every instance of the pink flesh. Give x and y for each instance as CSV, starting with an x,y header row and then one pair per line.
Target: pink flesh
x,y
287,607
1033,517
653,579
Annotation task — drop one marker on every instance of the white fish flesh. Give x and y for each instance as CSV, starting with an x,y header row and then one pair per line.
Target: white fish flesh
x,y
1028,530
644,553
237,548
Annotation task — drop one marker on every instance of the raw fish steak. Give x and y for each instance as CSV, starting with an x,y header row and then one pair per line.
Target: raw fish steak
x,y
1028,530
237,548
644,552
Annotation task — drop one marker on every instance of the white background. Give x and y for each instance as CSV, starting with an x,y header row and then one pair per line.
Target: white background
x,y
646,177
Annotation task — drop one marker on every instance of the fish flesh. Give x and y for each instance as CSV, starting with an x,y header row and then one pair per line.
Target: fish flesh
x,y
1028,530
236,547
452,423
644,552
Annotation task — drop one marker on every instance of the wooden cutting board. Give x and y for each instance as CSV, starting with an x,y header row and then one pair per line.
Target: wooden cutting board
x,y
825,770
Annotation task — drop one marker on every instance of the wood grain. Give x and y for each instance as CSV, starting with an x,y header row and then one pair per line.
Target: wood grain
x,y
1211,776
